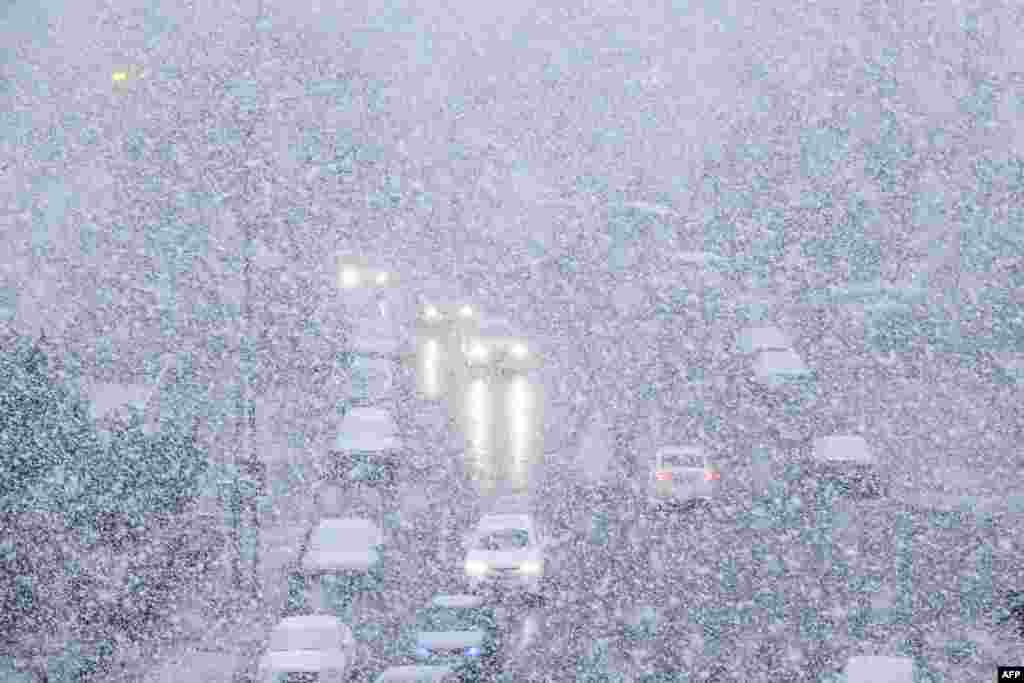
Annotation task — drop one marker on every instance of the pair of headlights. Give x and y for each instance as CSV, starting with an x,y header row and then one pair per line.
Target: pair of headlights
x,y
477,568
352,277
480,352
433,314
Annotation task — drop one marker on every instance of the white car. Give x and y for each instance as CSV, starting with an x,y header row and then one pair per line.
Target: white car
x,y
368,446
505,551
848,461
346,548
310,647
683,476
418,674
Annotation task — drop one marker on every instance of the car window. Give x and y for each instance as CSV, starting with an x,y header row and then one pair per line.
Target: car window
x,y
289,639
355,537
449,619
674,459
507,539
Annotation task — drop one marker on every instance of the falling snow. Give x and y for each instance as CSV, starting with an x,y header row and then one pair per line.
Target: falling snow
x,y
234,436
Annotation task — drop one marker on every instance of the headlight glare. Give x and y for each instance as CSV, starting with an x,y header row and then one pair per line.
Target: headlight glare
x,y
476,568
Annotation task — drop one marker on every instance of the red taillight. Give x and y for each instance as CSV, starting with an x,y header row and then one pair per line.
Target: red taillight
x,y
711,475
663,476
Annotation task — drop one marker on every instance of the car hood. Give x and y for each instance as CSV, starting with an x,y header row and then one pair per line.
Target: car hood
x,y
503,558
449,640
359,560
303,660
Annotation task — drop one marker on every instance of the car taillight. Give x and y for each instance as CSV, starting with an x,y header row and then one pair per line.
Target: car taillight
x,y
711,475
663,476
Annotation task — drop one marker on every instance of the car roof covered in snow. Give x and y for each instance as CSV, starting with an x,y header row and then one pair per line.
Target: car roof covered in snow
x,y
457,601
416,674
683,449
367,428
877,669
763,338
843,448
771,365
347,523
310,622
498,522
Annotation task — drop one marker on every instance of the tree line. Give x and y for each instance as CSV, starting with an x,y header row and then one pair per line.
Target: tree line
x,y
98,532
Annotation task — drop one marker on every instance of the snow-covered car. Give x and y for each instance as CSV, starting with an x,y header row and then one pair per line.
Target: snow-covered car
x,y
497,345
878,669
782,378
418,674
763,338
310,648
368,447
683,476
345,554
458,631
505,552
848,463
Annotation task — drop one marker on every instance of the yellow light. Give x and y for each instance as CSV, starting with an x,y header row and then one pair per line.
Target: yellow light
x,y
119,76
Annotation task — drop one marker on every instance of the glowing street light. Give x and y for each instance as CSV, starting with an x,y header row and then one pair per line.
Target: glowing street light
x,y
520,351
466,311
382,278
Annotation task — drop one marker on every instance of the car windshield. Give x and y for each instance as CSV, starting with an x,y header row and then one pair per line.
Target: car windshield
x,y
437,619
506,539
351,537
288,638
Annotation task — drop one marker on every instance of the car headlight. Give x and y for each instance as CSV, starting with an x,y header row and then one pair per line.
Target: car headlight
x,y
531,567
472,652
476,568
350,277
